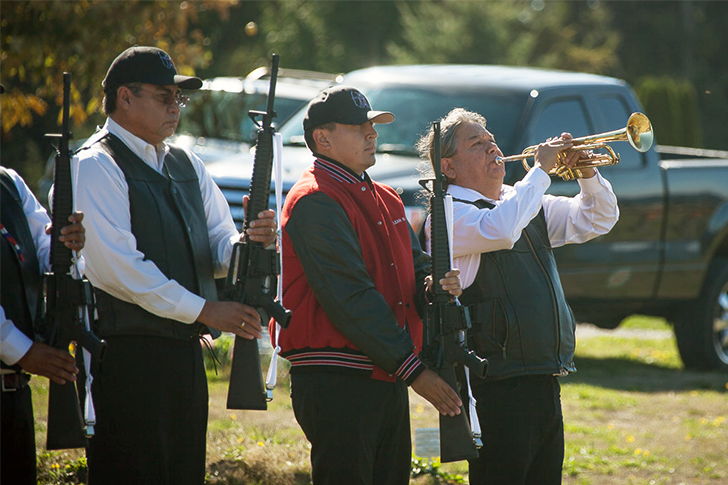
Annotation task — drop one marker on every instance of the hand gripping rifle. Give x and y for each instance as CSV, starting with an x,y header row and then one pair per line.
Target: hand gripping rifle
x,y
254,269
67,303
444,344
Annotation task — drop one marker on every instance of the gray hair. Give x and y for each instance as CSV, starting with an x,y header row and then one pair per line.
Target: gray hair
x,y
448,127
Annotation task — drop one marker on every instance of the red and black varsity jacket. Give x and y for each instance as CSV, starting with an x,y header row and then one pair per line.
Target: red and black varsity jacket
x,y
353,276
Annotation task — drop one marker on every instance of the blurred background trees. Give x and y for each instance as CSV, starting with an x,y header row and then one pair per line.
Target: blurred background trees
x,y
670,51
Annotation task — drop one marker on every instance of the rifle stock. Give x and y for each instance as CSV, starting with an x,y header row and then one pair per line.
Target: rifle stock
x,y
66,302
446,321
254,270
456,441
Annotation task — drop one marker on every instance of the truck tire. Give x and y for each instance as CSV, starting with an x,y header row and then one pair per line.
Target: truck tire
x,y
702,330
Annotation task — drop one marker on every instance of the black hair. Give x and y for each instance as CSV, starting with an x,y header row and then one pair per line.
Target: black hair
x,y
110,97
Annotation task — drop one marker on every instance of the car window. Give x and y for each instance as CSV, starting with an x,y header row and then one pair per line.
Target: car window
x,y
283,107
558,116
213,114
222,114
563,115
414,110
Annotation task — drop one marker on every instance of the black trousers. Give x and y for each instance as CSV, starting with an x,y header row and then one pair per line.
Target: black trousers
x,y
523,431
17,442
150,395
358,427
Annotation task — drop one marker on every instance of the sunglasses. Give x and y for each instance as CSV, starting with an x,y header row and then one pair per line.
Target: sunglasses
x,y
169,98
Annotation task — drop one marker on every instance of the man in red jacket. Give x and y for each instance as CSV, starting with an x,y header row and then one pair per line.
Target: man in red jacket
x,y
354,277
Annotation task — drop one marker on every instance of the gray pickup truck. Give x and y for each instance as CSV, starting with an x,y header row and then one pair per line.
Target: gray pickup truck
x,y
668,254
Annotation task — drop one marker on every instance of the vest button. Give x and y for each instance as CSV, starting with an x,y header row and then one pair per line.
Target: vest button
x,y
363,189
379,223
174,190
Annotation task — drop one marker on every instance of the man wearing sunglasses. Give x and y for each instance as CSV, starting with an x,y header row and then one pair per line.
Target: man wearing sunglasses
x,y
159,231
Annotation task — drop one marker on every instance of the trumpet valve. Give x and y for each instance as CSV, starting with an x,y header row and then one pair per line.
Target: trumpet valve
x,y
567,173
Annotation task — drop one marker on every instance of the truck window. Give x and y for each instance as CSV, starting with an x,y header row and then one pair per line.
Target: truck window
x,y
615,114
415,109
558,116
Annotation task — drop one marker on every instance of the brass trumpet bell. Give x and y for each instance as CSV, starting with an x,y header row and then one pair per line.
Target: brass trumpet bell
x,y
638,133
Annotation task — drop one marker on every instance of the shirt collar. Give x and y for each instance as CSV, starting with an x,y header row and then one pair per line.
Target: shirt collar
x,y
471,195
151,155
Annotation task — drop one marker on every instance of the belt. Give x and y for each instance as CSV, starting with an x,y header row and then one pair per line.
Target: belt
x,y
14,382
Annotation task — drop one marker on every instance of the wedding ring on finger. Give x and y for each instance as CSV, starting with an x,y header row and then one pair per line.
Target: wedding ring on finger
x,y
242,325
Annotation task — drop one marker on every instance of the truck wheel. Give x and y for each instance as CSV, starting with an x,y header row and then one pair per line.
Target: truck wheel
x,y
702,331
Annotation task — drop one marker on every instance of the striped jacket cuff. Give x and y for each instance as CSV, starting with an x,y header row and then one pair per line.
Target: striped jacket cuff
x,y
410,369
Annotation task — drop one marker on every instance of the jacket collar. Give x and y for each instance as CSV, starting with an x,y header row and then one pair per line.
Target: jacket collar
x,y
339,171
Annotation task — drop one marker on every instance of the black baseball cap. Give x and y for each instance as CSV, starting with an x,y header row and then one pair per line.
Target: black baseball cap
x,y
149,65
345,105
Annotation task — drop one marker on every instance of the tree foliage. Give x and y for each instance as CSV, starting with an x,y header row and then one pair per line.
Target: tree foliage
x,y
330,36
43,39
672,107
685,41
561,35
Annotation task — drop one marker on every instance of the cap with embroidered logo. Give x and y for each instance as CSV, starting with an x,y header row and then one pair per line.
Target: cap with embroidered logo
x,y
149,65
345,105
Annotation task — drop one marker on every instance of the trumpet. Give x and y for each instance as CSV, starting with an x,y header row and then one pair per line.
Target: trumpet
x,y
638,133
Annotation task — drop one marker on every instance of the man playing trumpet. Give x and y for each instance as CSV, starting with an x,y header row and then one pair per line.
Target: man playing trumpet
x,y
503,240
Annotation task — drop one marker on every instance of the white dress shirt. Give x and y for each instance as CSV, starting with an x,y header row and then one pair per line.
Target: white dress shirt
x,y
14,343
570,220
113,262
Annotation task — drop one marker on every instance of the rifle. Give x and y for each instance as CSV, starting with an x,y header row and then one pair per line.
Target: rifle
x,y
253,271
446,322
66,302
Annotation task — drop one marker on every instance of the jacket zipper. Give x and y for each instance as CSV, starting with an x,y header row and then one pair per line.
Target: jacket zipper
x,y
553,301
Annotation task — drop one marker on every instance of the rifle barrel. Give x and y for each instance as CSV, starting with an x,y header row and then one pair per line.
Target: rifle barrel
x,y
272,88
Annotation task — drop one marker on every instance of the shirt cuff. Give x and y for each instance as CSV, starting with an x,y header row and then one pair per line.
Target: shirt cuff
x,y
14,346
189,308
410,369
593,184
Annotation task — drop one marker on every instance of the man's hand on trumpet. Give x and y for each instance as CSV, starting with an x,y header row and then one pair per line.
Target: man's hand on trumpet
x,y
554,152
547,153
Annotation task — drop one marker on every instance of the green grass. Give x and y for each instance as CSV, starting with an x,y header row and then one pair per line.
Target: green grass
x,y
632,416
645,323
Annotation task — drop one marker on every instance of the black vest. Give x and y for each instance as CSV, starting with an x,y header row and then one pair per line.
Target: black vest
x,y
19,280
169,223
522,322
